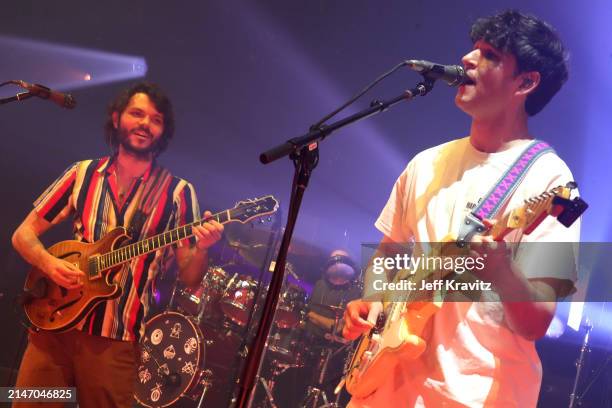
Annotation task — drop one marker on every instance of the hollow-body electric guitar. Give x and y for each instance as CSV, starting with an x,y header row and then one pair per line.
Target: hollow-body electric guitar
x,y
55,308
399,331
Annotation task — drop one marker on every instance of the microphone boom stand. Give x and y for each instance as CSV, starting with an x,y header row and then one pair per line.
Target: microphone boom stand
x,y
304,152
19,97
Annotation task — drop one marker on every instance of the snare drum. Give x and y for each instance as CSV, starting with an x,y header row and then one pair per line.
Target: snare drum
x,y
171,357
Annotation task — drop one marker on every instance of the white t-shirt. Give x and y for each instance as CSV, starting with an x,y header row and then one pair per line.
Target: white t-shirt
x,y
472,358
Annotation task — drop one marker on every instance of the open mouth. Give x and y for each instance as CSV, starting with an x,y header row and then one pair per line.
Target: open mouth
x,y
468,80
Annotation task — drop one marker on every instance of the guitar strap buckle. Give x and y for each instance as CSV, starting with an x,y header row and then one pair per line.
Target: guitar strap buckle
x,y
500,193
470,226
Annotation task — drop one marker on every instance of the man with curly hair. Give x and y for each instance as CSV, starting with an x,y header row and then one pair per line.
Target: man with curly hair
x,y
128,188
482,354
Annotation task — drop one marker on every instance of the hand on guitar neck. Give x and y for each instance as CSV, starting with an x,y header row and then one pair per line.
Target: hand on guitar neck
x,y
208,233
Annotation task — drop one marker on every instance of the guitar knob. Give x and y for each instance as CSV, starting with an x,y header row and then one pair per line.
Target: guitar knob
x,y
376,337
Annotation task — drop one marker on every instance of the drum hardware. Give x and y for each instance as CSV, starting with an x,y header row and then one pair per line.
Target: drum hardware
x,y
242,320
315,394
575,397
268,385
206,382
237,286
285,348
269,390
231,294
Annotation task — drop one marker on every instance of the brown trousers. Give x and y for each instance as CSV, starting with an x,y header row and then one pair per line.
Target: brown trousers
x,y
103,370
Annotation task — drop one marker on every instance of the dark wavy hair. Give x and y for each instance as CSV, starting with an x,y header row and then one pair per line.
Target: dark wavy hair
x,y
162,104
536,47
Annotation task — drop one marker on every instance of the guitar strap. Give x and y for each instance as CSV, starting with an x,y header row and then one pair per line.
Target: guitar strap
x,y
499,194
148,194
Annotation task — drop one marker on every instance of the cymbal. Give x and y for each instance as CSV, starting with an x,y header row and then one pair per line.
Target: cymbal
x,y
255,254
240,269
246,234
240,234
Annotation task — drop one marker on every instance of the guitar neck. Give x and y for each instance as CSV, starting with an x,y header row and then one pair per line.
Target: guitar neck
x,y
129,252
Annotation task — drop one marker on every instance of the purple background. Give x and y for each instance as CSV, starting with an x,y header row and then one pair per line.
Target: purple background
x,y
245,76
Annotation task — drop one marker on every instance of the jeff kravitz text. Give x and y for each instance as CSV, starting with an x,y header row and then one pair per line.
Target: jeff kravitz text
x,y
425,264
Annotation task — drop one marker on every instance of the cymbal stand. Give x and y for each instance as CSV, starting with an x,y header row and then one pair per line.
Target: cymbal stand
x,y
171,302
205,380
316,393
202,307
268,384
575,397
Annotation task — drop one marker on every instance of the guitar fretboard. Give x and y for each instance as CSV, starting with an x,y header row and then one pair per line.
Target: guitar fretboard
x,y
128,252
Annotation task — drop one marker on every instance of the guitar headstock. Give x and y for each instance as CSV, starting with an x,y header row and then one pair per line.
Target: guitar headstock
x,y
554,202
247,210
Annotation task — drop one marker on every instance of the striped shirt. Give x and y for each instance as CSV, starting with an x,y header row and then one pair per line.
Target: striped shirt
x,y
88,191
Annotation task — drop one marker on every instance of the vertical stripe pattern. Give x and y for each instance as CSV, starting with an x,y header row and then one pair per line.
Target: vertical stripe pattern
x,y
85,191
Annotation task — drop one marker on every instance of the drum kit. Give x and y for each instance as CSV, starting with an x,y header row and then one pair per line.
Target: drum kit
x,y
192,350
302,368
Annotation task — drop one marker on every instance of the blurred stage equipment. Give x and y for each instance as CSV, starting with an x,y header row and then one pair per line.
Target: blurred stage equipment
x,y
64,100
304,153
66,66
196,343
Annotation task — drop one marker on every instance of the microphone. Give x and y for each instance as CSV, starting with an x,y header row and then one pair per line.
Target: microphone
x,y
65,100
453,75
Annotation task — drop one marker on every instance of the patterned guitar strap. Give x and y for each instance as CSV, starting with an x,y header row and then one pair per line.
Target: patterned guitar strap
x,y
501,192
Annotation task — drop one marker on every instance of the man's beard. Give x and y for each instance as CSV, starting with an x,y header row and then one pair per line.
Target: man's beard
x,y
141,153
